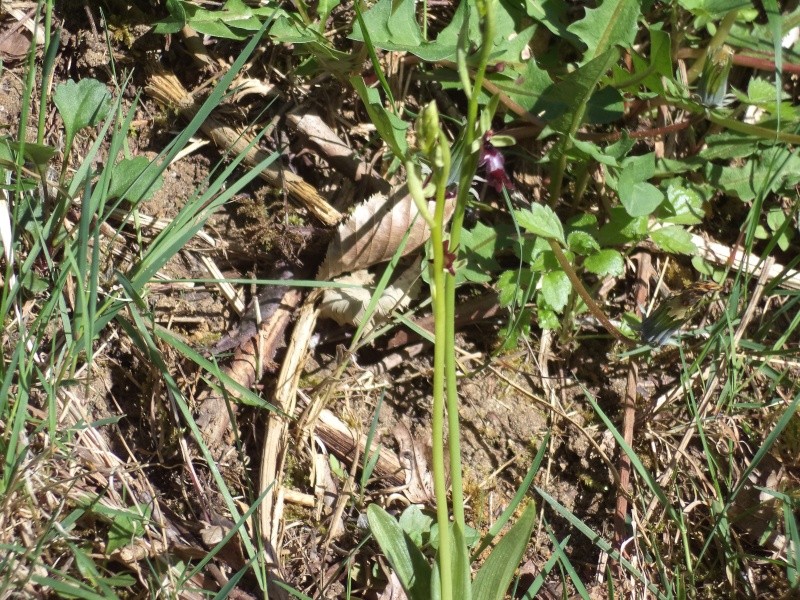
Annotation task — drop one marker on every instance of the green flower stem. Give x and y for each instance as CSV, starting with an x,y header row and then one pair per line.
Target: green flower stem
x,y
437,421
472,144
739,126
440,151
577,285
716,42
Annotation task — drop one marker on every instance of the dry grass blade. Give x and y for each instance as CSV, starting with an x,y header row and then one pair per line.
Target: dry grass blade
x,y
246,368
166,88
275,441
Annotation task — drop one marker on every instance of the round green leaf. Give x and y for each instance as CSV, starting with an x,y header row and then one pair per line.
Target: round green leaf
x,y
639,197
685,206
82,104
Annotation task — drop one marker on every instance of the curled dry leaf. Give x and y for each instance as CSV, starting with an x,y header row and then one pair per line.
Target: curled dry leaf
x,y
348,305
372,234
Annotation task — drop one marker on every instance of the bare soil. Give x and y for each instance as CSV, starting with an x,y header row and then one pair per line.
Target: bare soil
x,y
505,411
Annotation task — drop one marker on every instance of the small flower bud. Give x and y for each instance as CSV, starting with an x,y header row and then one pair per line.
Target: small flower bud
x,y
713,86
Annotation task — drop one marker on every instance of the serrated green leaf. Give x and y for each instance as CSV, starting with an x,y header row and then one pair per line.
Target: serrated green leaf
x,y
613,23
541,220
708,8
674,239
174,22
563,104
581,242
555,289
393,26
525,85
547,317
512,286
605,262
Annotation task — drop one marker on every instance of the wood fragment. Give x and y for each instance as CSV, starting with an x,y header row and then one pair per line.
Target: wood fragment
x,y
335,151
166,88
213,418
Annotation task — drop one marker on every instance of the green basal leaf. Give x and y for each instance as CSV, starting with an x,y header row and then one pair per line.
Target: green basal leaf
x,y
729,144
583,221
38,154
392,25
555,289
606,105
234,21
640,168
776,219
674,239
128,179
495,575
613,23
605,262
479,246
410,566
525,84
774,169
82,104
589,150
541,220
638,197
416,524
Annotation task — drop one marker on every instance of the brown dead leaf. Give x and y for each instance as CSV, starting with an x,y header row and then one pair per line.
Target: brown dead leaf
x,y
348,305
372,234
14,46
